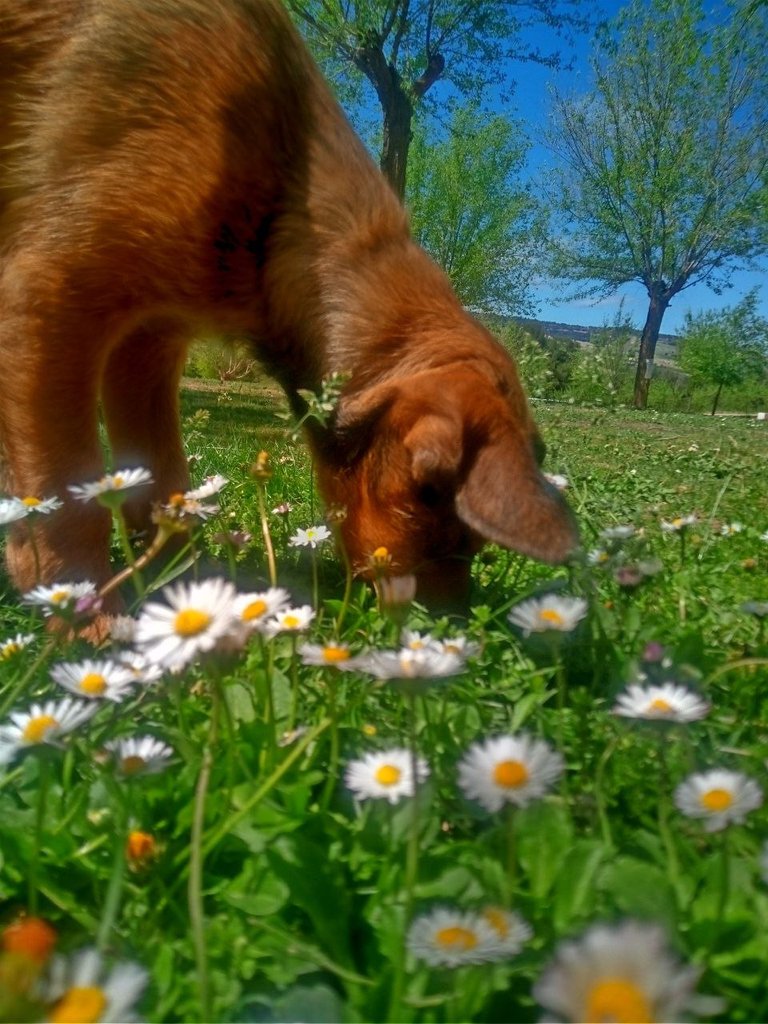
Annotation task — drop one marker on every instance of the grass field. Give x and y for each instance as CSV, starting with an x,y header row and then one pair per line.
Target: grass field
x,y
251,883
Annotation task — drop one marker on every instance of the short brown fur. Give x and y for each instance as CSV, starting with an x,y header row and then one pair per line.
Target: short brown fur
x,y
170,168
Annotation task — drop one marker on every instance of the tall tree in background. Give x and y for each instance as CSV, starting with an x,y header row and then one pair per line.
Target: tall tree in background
x,y
664,165
469,212
403,47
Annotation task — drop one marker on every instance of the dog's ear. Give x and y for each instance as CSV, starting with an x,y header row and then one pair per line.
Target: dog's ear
x,y
434,444
505,499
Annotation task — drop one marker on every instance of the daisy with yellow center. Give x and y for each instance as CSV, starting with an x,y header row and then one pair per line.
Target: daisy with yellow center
x,y
39,506
446,937
289,620
196,618
94,680
43,723
60,598
330,655
406,664
11,510
139,755
15,645
252,611
508,770
622,974
512,931
112,489
553,613
718,797
384,775
678,524
81,990
311,537
668,702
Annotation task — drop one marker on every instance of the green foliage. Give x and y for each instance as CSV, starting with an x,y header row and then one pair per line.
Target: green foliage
x,y
531,358
469,212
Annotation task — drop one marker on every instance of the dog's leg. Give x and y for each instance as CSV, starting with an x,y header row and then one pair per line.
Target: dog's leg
x,y
50,365
141,409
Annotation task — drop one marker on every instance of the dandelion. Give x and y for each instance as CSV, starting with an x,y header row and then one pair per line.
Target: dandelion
x,y
112,489
678,524
42,724
552,613
668,702
60,598
508,770
139,755
335,655
624,973
251,612
718,797
196,618
15,645
81,989
452,938
290,620
386,774
94,680
512,931
310,537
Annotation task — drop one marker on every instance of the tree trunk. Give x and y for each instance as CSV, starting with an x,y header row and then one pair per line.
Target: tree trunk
x,y
649,337
717,399
398,115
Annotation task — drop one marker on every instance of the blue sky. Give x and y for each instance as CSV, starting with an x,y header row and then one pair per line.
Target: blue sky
x,y
530,105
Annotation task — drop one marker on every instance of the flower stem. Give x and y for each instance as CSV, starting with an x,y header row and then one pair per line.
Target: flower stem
x,y
115,889
196,857
265,532
44,783
673,865
125,544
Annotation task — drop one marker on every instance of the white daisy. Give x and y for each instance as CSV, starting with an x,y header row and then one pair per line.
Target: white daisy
x,y
94,680
15,645
459,646
719,797
181,507
43,723
310,537
624,972
512,931
112,487
81,988
508,770
139,755
210,486
140,668
667,702
546,614
60,598
678,524
332,654
730,529
289,620
11,510
252,611
40,506
427,663
385,774
623,532
598,556
415,641
196,618
451,938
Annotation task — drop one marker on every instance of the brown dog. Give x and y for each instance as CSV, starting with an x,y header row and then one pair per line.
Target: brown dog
x,y
170,168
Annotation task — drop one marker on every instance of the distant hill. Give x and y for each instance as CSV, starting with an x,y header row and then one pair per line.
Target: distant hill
x,y
575,332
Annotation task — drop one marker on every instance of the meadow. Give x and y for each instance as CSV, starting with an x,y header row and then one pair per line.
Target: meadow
x,y
361,813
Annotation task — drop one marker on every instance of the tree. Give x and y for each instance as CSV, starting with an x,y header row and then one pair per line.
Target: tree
x,y
469,214
403,47
664,164
727,347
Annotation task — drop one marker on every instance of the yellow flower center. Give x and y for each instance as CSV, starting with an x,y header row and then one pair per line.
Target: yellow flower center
x,y
551,617
291,621
58,596
716,800
94,682
118,481
456,937
335,654
254,610
79,1005
510,774
31,502
132,764
190,622
388,775
498,920
36,728
661,705
10,649
176,500
617,1001
369,729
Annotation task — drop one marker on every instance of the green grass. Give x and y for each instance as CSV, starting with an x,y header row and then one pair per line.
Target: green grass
x,y
306,895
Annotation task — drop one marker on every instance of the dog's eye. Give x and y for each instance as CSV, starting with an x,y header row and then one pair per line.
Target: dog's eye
x,y
430,495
